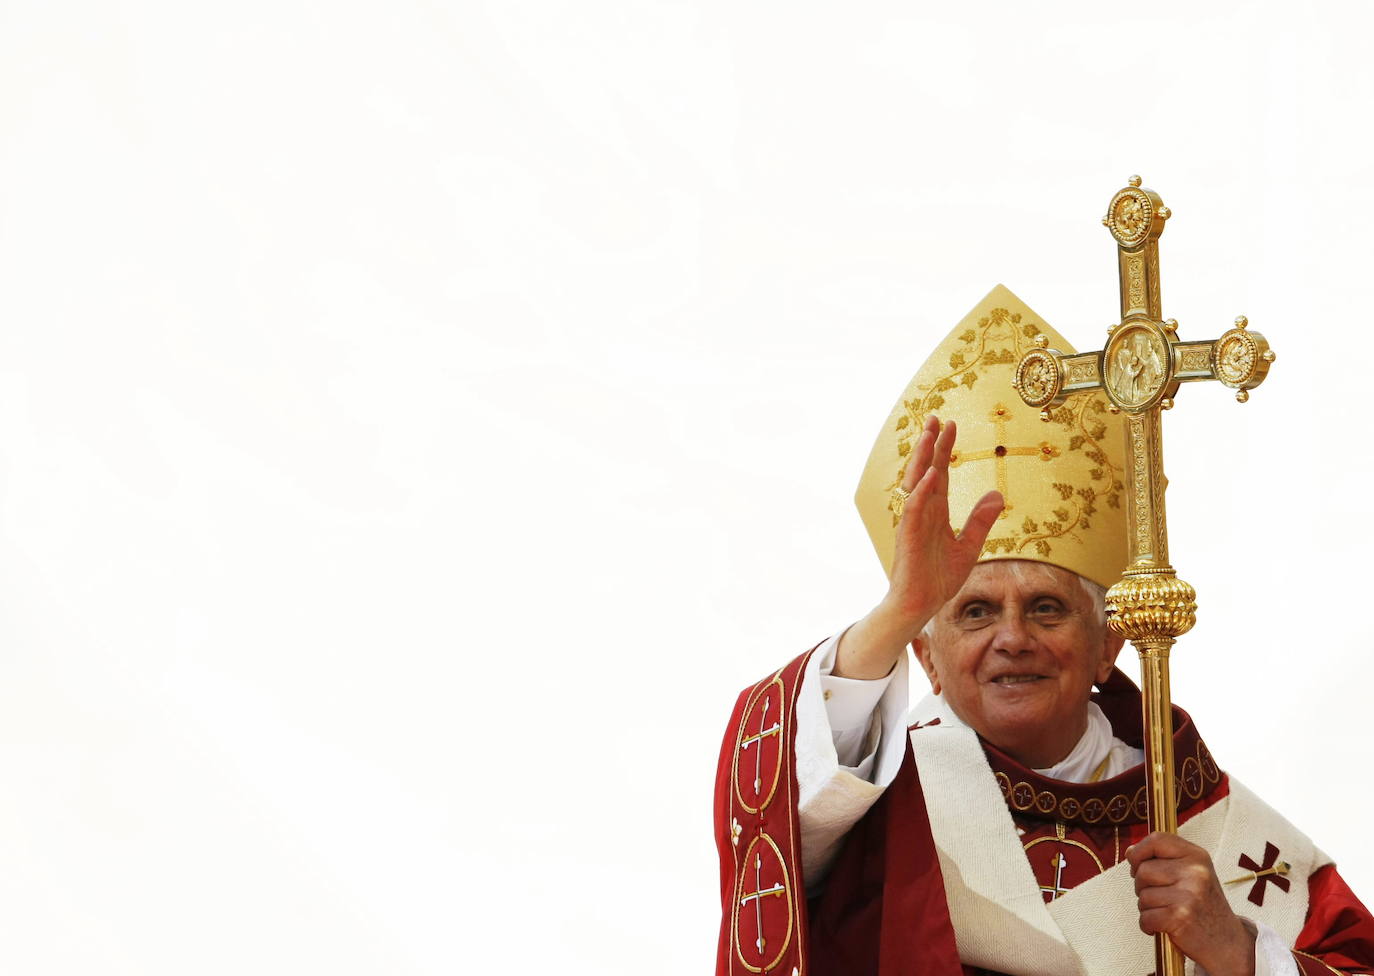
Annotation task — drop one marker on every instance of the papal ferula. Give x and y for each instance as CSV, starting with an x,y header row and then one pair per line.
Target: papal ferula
x,y
999,825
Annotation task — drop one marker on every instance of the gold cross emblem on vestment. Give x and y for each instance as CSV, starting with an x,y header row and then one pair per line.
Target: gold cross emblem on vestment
x,y
1140,369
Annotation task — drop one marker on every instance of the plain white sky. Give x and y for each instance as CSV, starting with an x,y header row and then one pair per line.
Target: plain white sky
x,y
418,419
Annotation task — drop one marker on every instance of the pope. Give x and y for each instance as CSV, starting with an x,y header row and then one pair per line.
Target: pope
x,y
999,826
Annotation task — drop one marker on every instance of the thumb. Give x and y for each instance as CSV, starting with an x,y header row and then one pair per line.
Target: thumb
x,y
980,521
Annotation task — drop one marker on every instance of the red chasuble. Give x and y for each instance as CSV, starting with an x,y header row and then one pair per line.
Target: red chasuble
x,y
883,910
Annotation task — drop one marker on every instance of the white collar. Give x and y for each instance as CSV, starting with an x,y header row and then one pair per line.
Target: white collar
x,y
1087,756
1095,745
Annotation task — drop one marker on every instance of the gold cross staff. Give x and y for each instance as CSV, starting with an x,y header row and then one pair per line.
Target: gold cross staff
x,y
1140,369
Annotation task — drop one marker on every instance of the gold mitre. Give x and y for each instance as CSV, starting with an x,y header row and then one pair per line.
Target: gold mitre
x,y
1062,480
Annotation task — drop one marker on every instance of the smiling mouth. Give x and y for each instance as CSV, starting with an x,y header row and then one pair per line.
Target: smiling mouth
x,y
1017,679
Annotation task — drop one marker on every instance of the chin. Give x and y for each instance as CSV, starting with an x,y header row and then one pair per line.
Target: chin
x,y
1020,737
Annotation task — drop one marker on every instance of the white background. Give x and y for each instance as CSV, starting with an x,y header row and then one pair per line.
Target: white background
x,y
418,420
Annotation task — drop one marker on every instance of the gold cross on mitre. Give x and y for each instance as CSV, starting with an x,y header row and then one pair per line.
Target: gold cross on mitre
x,y
1140,370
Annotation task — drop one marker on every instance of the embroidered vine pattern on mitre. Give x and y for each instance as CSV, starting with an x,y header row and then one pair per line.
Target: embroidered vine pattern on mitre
x,y
962,373
1080,418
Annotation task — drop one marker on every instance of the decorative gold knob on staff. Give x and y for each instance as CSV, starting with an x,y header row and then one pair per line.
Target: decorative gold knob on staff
x,y
1140,369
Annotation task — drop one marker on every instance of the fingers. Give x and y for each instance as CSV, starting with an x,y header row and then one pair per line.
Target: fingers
x,y
1177,893
944,450
920,458
1154,898
1163,873
944,444
1156,920
1160,845
917,512
928,474
1166,867
1153,874
932,450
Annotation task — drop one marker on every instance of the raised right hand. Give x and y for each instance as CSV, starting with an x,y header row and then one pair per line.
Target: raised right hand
x,y
930,561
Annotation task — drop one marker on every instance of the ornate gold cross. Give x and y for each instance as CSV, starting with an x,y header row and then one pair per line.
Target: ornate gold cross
x,y
1140,370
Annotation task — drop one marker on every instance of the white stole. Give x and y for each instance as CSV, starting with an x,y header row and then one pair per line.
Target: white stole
x,y
1001,921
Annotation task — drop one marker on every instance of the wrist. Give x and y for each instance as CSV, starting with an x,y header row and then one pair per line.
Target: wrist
x,y
873,645
1238,957
897,621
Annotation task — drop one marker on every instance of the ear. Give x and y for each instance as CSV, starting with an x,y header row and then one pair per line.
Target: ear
x,y
927,659
1112,642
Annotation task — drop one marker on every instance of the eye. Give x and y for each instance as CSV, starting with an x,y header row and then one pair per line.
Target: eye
x,y
975,614
1046,607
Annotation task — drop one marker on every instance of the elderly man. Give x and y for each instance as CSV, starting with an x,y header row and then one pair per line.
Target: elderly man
x,y
1004,831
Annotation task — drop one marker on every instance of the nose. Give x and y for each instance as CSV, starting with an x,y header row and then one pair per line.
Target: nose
x,y
1012,635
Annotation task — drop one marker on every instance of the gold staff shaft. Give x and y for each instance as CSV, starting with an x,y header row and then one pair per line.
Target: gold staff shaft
x,y
1151,607
1159,746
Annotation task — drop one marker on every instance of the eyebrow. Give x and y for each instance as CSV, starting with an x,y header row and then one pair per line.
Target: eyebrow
x,y
972,598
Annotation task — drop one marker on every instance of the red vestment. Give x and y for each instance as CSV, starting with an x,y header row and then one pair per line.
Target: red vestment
x,y
883,908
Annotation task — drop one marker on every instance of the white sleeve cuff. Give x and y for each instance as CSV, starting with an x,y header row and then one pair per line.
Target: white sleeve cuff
x,y
864,722
1272,955
849,702
834,793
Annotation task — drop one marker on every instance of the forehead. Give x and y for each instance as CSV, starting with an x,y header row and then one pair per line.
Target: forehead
x,y
1003,578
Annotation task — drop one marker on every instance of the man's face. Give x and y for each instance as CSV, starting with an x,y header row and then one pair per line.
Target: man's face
x,y
1016,653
